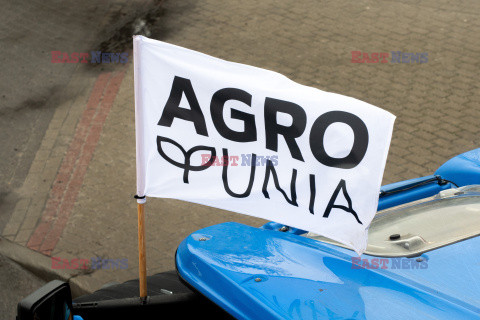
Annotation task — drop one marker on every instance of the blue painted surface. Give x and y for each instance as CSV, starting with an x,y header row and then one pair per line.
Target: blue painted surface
x,y
275,226
301,278
413,189
464,169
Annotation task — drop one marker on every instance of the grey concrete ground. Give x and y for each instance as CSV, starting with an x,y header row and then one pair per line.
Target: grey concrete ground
x,y
437,105
17,283
31,91
31,87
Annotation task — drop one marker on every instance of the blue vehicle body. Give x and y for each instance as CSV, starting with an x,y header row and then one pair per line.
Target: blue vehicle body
x,y
262,273
279,272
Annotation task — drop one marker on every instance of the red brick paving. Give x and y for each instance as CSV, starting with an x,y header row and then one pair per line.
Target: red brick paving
x,y
72,171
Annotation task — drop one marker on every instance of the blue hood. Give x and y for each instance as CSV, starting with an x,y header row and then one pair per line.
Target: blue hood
x,y
264,274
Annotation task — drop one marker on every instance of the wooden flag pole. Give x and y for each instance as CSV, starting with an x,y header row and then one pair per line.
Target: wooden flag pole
x,y
142,257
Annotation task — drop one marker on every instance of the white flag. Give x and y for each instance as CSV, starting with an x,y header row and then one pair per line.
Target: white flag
x,y
252,141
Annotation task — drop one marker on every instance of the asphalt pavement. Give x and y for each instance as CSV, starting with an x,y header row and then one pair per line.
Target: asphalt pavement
x,y
32,88
17,283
